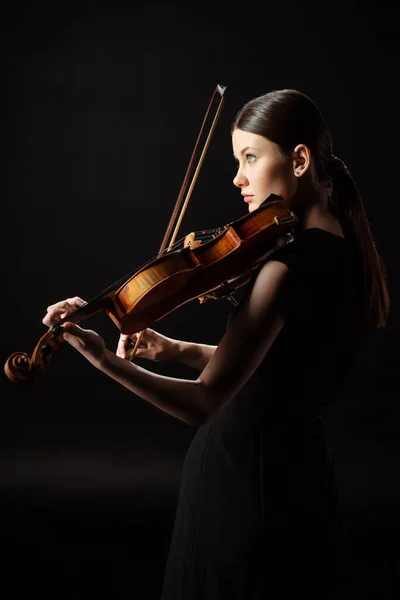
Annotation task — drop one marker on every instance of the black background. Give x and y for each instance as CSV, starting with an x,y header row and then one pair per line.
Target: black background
x,y
102,105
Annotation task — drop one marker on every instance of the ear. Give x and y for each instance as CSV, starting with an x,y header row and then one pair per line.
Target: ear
x,y
301,160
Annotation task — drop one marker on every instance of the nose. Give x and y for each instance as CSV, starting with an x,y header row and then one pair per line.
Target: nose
x,y
240,180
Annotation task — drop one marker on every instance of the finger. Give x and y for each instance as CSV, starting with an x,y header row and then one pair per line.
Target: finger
x,y
121,347
58,305
71,330
74,302
140,353
56,314
63,308
53,315
55,311
125,344
150,336
131,342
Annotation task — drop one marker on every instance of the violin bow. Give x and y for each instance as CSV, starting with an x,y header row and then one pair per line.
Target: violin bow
x,y
179,210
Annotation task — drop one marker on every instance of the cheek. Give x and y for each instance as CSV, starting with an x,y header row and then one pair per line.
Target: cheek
x,y
283,175
265,176
283,183
277,177
276,172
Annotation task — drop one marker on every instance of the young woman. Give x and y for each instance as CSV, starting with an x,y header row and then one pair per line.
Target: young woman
x,y
257,515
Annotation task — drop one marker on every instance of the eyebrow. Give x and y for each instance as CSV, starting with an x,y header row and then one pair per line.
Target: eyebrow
x,y
245,149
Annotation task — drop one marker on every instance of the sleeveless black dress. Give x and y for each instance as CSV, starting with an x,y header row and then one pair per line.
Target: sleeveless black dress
x,y
257,514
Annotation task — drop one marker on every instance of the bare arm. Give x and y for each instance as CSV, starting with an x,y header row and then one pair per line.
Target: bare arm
x,y
157,347
235,359
194,355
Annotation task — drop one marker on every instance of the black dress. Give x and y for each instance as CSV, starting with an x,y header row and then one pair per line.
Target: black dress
x,y
257,514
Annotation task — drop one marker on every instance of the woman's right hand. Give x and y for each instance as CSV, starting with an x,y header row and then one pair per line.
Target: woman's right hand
x,y
62,309
153,346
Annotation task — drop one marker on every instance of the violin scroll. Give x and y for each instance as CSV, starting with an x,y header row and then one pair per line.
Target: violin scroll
x,y
17,368
20,368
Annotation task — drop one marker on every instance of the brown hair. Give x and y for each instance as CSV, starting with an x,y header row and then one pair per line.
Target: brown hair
x,y
288,118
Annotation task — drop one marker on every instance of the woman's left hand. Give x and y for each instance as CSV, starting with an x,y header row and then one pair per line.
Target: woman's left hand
x,y
89,343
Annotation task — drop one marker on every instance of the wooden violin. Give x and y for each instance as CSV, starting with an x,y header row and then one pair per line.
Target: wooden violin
x,y
205,265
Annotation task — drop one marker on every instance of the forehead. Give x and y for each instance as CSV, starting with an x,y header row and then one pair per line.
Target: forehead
x,y
243,139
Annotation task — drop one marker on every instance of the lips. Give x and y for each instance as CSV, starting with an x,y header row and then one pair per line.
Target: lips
x,y
247,197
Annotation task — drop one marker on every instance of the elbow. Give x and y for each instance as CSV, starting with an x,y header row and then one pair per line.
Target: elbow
x,y
208,406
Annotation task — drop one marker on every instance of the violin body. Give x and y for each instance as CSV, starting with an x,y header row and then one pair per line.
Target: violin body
x,y
212,269
201,272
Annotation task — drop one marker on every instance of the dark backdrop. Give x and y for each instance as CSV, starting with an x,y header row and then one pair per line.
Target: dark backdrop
x,y
102,105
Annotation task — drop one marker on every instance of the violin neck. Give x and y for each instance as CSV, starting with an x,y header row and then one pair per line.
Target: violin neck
x,y
101,302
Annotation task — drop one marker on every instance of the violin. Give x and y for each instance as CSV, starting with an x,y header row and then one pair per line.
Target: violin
x,y
202,265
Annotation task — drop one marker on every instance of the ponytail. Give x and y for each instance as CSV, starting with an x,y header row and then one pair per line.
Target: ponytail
x,y
348,207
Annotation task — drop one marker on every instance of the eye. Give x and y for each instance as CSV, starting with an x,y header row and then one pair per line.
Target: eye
x,y
250,158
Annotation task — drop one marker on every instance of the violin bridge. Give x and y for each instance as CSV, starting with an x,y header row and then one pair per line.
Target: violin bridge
x,y
191,242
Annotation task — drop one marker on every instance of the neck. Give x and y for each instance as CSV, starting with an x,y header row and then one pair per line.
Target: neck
x,y
313,211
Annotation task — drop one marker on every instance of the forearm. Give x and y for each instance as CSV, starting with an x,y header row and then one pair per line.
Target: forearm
x,y
185,399
194,355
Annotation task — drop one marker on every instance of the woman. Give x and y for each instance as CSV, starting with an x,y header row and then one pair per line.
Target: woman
x,y
257,515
